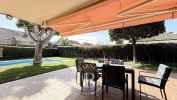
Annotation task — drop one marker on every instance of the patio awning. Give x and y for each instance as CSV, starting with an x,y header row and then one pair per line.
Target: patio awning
x,y
39,11
71,17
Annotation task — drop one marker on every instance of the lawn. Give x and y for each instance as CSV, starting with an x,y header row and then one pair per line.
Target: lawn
x,y
20,71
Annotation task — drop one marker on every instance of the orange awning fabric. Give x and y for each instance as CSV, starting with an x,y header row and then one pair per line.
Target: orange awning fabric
x,y
40,11
70,17
112,14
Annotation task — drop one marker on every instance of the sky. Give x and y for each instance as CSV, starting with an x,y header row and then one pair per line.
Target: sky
x,y
100,37
10,24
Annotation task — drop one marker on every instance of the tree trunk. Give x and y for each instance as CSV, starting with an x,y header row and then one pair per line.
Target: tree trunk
x,y
38,54
37,38
134,50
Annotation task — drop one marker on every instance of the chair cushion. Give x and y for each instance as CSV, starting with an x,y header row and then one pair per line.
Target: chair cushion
x,y
161,70
149,81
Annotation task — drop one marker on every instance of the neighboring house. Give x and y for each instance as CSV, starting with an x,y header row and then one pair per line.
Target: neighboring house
x,y
84,44
13,41
17,38
161,38
14,38
75,43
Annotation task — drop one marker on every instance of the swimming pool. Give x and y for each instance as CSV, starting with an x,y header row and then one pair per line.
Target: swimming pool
x,y
26,61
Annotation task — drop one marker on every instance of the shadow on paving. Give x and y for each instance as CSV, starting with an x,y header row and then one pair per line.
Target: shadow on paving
x,y
113,94
61,85
36,85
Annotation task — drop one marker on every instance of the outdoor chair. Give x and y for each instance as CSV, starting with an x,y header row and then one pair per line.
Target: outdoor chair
x,y
117,61
89,70
78,66
114,76
159,81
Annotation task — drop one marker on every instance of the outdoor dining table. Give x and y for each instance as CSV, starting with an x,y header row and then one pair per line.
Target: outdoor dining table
x,y
127,70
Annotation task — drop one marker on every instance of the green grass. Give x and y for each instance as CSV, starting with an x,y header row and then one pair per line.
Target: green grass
x,y
16,72
19,71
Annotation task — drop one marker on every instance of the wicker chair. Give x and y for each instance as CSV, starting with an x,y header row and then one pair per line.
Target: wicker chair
x,y
90,70
114,76
159,81
78,66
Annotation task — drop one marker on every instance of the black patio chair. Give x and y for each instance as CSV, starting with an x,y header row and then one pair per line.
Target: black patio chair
x,y
159,81
78,66
89,70
114,76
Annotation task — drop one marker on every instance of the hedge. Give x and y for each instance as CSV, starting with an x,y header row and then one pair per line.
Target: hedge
x,y
95,52
166,53
20,52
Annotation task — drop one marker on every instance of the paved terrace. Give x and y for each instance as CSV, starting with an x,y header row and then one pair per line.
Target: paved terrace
x,y
61,85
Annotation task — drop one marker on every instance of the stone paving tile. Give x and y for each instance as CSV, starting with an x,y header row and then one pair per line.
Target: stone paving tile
x,y
61,85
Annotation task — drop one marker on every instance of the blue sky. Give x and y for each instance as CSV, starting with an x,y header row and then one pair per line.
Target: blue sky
x,y
100,37
171,25
10,24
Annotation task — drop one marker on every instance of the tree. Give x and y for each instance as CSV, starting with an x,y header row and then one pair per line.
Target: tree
x,y
65,42
40,35
133,33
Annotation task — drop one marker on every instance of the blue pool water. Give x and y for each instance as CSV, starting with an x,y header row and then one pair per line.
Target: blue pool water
x,y
26,61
